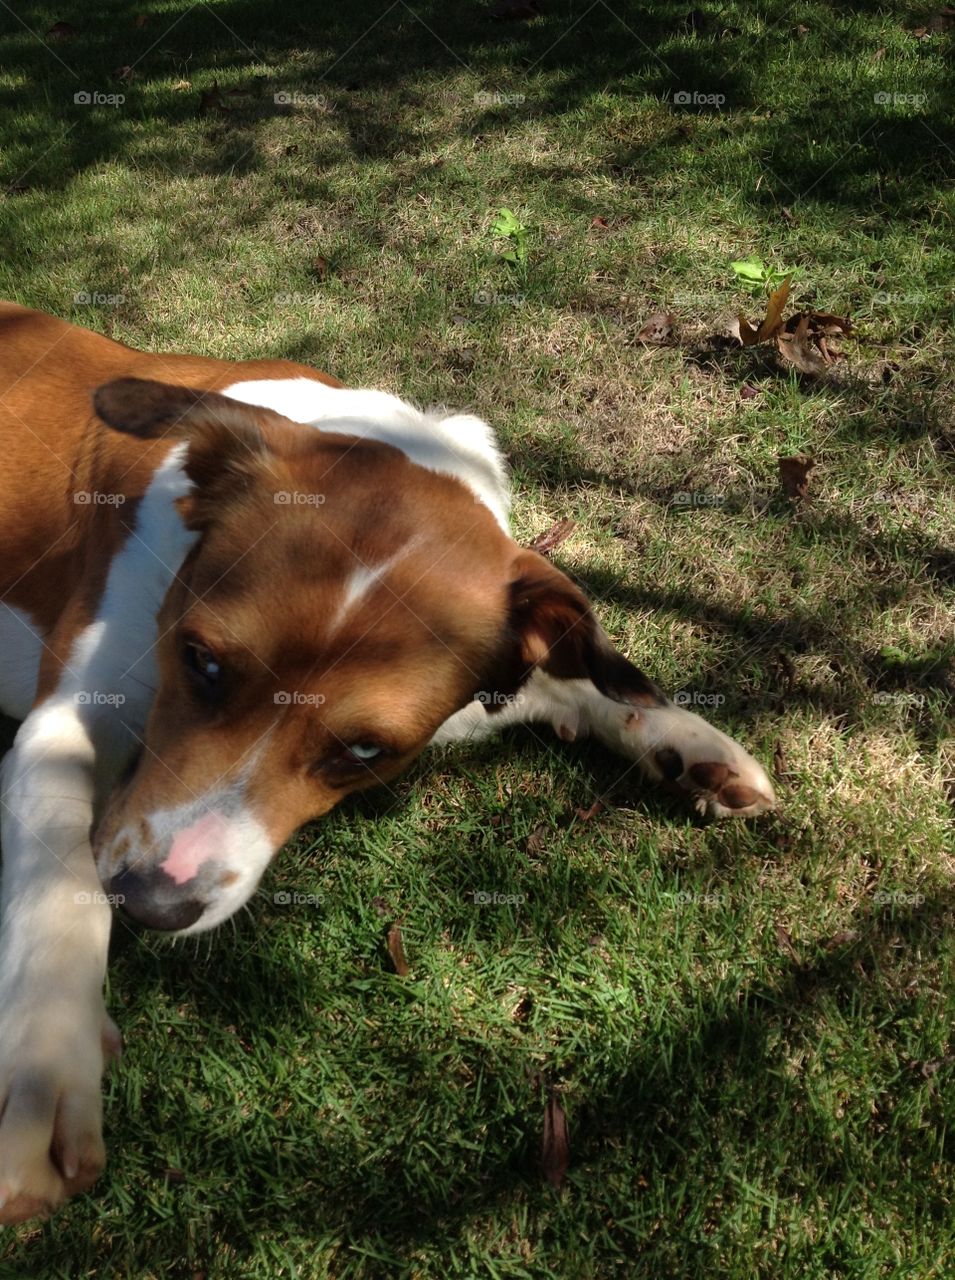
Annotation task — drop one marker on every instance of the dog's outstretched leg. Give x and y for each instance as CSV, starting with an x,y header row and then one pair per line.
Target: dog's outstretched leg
x,y
665,742
54,931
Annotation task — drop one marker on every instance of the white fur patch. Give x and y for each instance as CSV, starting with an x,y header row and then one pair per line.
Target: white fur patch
x,y
21,647
458,445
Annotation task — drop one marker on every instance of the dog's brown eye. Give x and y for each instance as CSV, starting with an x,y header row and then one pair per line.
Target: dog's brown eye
x,y
203,662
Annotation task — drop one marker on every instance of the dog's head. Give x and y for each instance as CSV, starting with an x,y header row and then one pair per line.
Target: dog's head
x,y
338,604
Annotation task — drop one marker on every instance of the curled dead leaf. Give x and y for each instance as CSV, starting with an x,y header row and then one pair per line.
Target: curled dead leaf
x,y
658,329
559,532
555,1153
397,951
794,475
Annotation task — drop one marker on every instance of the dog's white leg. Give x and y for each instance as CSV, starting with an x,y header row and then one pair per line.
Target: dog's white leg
x,y
54,931
666,742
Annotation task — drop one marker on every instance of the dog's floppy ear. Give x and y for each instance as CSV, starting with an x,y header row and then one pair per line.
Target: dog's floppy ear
x,y
224,437
551,626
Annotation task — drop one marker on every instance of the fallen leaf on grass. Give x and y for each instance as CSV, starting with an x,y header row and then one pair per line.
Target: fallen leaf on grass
x,y
841,939
559,532
773,321
799,350
555,1154
785,942
585,815
212,100
397,951
537,840
659,328
600,224
780,768
748,393
794,474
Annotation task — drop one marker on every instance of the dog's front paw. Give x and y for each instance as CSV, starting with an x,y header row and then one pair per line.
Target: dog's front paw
x,y
51,1141
678,746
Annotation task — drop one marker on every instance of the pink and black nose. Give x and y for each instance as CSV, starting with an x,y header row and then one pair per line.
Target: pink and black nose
x,y
152,898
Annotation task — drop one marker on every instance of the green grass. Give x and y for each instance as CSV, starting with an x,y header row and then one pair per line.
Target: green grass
x,y
734,1109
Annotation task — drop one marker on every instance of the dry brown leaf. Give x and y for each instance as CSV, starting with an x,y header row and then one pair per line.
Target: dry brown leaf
x,y
794,475
559,532
538,840
397,951
800,349
586,815
600,224
841,939
774,311
555,1154
785,942
212,100
773,321
780,768
659,328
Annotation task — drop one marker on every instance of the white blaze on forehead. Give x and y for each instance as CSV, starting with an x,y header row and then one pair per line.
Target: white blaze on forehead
x,y
363,579
458,445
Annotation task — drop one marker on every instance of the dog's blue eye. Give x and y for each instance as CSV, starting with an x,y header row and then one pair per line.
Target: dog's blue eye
x,y
204,662
363,751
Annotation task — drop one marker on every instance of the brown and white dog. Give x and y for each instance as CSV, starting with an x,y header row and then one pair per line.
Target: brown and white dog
x,y
230,594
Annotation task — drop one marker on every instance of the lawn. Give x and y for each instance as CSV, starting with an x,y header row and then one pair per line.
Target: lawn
x,y
748,1026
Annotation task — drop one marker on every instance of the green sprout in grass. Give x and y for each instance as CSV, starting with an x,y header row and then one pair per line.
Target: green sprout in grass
x,y
758,278
510,228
